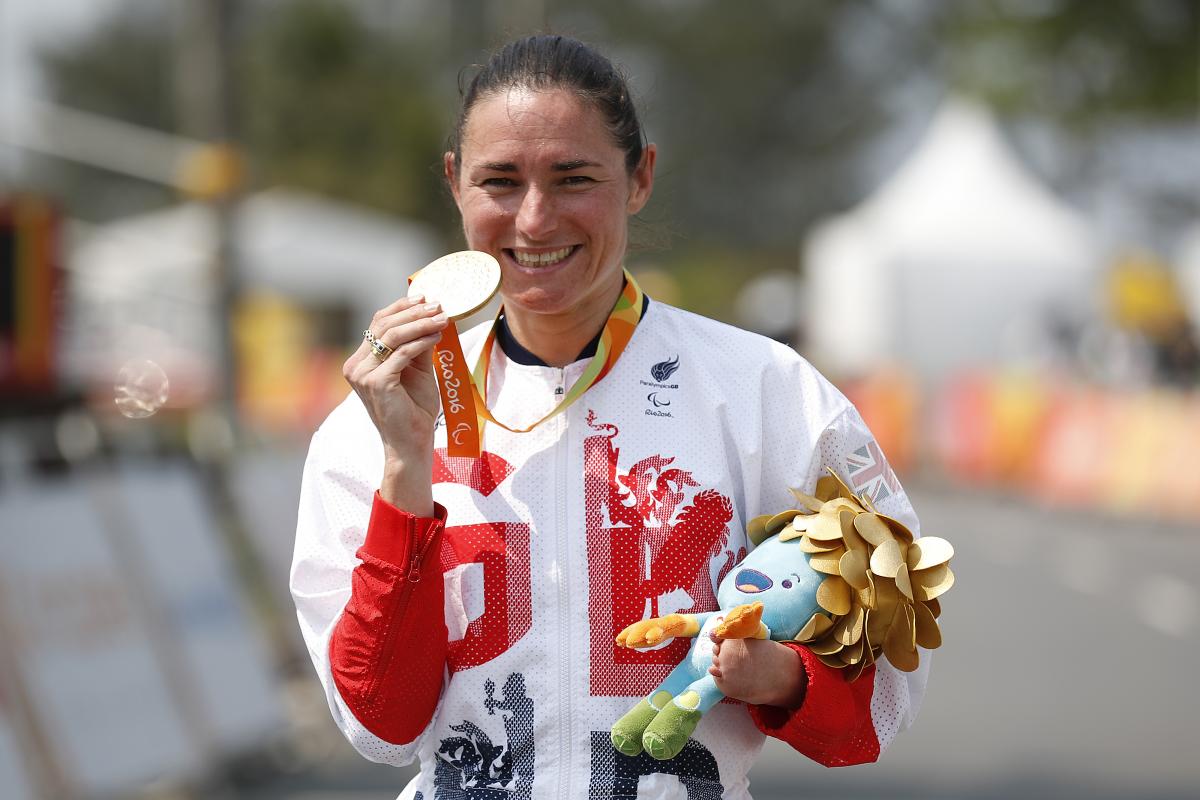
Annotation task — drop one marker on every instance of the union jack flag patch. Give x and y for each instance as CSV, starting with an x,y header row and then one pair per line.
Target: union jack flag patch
x,y
869,472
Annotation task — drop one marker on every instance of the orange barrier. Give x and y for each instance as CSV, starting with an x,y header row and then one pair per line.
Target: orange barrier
x,y
888,401
1070,445
1069,459
960,430
1141,431
1178,466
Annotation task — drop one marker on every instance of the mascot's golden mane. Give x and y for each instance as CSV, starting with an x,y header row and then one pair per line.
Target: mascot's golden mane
x,y
881,585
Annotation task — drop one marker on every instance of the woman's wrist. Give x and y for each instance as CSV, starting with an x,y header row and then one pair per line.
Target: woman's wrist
x,y
797,682
408,486
790,679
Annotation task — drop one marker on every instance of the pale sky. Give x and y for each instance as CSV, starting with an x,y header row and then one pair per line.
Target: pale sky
x,y
24,26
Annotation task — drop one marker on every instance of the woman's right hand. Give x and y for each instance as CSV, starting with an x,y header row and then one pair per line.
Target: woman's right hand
x,y
401,396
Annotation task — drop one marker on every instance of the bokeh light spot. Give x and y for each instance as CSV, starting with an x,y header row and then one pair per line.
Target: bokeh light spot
x,y
141,388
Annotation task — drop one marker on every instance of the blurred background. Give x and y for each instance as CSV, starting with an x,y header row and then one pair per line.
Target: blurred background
x,y
979,218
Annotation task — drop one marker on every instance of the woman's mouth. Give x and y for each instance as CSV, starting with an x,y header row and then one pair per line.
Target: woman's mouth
x,y
541,259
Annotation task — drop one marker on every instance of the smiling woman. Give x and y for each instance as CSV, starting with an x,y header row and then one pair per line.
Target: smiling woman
x,y
544,185
426,579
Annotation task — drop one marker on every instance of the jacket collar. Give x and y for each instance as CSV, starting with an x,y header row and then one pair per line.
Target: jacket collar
x,y
517,353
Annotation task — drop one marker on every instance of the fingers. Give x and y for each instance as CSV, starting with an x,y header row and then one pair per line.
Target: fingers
x,y
399,304
715,669
410,328
760,672
378,321
396,329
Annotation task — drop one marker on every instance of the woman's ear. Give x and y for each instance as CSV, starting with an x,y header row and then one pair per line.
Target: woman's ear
x,y
642,180
451,175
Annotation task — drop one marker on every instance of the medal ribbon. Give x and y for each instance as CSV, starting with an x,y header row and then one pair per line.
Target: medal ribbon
x,y
459,398
467,412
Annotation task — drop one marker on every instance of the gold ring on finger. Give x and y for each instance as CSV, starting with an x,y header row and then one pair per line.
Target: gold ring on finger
x,y
380,350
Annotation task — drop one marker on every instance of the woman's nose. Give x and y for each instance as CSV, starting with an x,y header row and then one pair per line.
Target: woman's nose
x,y
536,216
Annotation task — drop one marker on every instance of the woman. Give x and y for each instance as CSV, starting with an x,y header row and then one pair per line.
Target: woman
x,y
432,590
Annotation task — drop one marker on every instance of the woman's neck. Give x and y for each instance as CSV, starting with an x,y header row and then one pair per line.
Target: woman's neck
x,y
557,339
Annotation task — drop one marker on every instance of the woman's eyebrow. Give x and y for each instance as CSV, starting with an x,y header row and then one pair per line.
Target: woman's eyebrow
x,y
579,163
558,166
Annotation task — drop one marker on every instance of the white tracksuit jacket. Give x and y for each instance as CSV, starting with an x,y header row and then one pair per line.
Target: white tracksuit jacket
x,y
632,503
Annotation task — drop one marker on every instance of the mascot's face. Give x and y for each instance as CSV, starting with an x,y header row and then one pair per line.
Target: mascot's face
x,y
777,574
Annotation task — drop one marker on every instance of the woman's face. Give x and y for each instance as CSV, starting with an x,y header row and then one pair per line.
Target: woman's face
x,y
544,189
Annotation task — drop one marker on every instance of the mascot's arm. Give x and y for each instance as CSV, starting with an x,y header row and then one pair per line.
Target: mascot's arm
x,y
743,622
656,630
388,649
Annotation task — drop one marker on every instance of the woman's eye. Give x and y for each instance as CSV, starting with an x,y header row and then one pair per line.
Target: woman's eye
x,y
498,183
577,180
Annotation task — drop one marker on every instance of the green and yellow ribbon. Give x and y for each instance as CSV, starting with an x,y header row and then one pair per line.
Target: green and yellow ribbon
x,y
464,424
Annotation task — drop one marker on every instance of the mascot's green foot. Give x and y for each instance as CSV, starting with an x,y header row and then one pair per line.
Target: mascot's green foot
x,y
669,731
627,732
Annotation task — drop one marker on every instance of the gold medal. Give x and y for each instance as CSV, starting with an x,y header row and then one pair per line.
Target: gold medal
x,y
462,283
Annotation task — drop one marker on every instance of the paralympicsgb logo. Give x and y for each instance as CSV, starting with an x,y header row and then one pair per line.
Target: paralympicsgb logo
x,y
664,369
661,373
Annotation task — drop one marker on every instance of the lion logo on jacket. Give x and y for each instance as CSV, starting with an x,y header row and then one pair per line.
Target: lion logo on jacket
x,y
651,551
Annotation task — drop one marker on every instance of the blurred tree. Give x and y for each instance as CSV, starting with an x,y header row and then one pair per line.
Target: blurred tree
x,y
1112,88
1076,62
322,103
122,69
332,106
759,115
763,116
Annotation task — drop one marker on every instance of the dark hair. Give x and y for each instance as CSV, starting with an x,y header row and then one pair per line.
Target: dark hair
x,y
557,62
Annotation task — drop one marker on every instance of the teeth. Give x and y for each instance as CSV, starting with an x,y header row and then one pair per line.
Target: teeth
x,y
541,259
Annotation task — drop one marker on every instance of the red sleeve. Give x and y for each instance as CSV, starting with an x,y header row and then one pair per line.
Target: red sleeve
x,y
388,649
833,724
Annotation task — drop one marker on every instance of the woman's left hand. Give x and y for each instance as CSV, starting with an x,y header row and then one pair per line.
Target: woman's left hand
x,y
759,672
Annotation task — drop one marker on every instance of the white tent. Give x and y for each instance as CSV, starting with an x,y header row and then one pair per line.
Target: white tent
x,y
143,287
958,254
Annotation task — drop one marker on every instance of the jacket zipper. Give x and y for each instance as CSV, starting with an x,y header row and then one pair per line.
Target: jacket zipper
x,y
414,571
411,579
562,556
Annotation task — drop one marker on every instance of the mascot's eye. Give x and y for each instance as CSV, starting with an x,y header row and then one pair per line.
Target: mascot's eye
x,y
787,584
